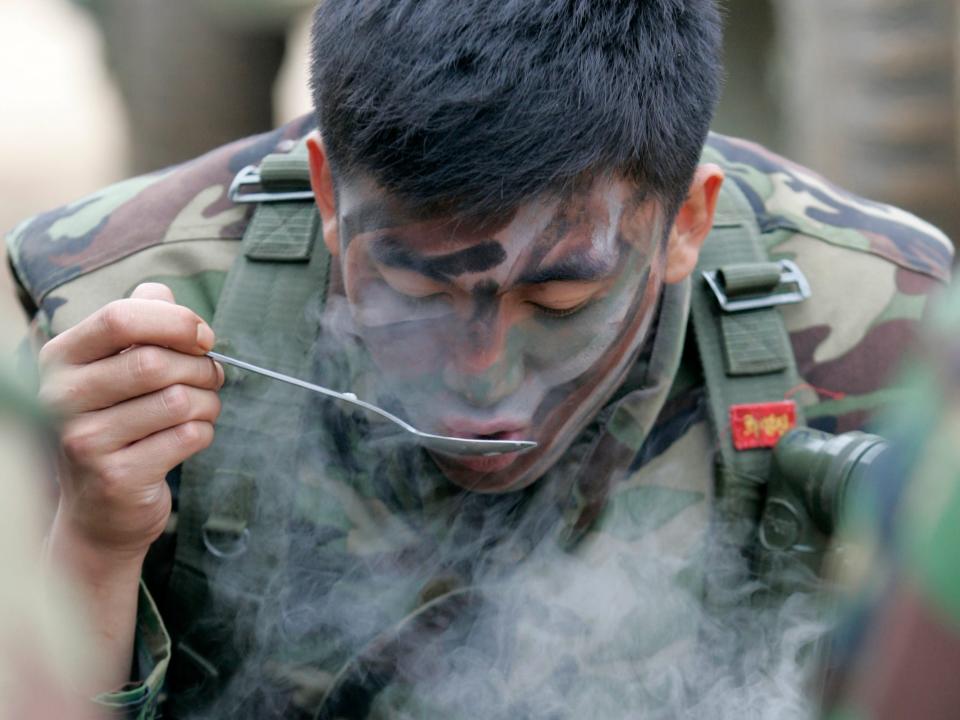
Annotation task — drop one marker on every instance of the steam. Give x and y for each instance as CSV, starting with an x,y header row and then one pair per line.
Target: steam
x,y
386,592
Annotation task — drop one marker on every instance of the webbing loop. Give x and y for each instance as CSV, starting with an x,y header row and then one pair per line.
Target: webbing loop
x,y
280,177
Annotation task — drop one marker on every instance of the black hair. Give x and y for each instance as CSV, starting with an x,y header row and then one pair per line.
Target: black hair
x,y
468,107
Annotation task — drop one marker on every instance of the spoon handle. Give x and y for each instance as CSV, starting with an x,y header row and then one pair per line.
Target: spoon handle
x,y
280,376
456,446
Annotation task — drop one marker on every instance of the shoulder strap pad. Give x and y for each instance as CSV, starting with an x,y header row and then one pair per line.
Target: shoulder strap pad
x,y
743,344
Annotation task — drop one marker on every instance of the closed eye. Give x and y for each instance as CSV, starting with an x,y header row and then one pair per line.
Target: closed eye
x,y
562,299
559,312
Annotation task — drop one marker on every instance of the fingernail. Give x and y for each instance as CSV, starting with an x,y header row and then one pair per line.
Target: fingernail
x,y
205,336
220,374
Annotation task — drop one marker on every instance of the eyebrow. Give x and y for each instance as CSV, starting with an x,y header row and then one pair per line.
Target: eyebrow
x,y
578,268
476,258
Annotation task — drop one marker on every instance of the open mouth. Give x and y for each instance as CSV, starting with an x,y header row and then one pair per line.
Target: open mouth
x,y
500,435
497,430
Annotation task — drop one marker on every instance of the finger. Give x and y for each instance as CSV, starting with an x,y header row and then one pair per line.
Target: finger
x,y
99,433
162,451
76,389
128,322
153,291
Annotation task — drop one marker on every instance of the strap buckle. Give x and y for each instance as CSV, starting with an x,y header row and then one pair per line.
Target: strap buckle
x,y
762,290
249,177
231,548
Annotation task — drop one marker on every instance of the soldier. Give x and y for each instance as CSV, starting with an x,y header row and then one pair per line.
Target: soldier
x,y
494,233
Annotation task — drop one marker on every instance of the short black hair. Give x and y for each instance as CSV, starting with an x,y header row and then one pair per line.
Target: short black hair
x,y
467,107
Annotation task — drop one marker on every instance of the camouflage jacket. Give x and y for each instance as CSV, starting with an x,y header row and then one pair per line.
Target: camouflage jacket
x,y
383,560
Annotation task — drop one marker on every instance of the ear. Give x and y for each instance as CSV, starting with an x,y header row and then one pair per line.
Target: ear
x,y
693,222
321,181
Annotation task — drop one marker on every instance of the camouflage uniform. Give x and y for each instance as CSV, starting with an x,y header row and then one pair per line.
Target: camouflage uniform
x,y
391,593
898,650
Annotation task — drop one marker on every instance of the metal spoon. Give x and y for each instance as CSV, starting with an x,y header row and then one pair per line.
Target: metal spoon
x,y
441,443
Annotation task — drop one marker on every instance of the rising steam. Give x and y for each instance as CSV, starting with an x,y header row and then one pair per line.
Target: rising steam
x,y
386,592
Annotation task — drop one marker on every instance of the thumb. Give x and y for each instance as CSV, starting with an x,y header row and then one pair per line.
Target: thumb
x,y
153,291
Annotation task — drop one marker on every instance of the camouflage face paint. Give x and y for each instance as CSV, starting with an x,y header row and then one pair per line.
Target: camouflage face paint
x,y
519,330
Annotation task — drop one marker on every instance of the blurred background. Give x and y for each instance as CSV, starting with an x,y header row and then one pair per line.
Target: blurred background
x,y
97,90
864,91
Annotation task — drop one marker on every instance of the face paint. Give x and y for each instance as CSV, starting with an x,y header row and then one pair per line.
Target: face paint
x,y
522,329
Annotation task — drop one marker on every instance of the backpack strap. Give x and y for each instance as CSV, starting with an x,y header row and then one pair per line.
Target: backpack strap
x,y
743,345
281,271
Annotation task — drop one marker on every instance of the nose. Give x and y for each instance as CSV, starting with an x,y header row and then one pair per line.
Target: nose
x,y
485,364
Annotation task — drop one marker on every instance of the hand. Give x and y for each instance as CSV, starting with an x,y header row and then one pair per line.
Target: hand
x,y
138,397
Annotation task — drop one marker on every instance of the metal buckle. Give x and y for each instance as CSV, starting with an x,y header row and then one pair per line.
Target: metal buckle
x,y
790,276
250,176
232,549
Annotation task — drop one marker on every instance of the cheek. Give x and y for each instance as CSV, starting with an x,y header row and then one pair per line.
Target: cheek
x,y
551,344
561,355
568,347
406,350
404,336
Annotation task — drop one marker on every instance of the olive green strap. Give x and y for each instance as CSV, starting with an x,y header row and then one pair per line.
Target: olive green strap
x,y
746,355
266,314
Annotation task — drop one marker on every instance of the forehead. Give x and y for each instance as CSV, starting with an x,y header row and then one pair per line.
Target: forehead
x,y
583,224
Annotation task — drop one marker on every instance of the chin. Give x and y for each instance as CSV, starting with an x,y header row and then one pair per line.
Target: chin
x,y
497,474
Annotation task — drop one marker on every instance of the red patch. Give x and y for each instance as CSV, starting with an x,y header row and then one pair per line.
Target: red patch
x,y
756,425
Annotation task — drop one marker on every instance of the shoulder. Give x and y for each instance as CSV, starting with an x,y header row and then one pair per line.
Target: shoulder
x,y
872,269
172,225
789,199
